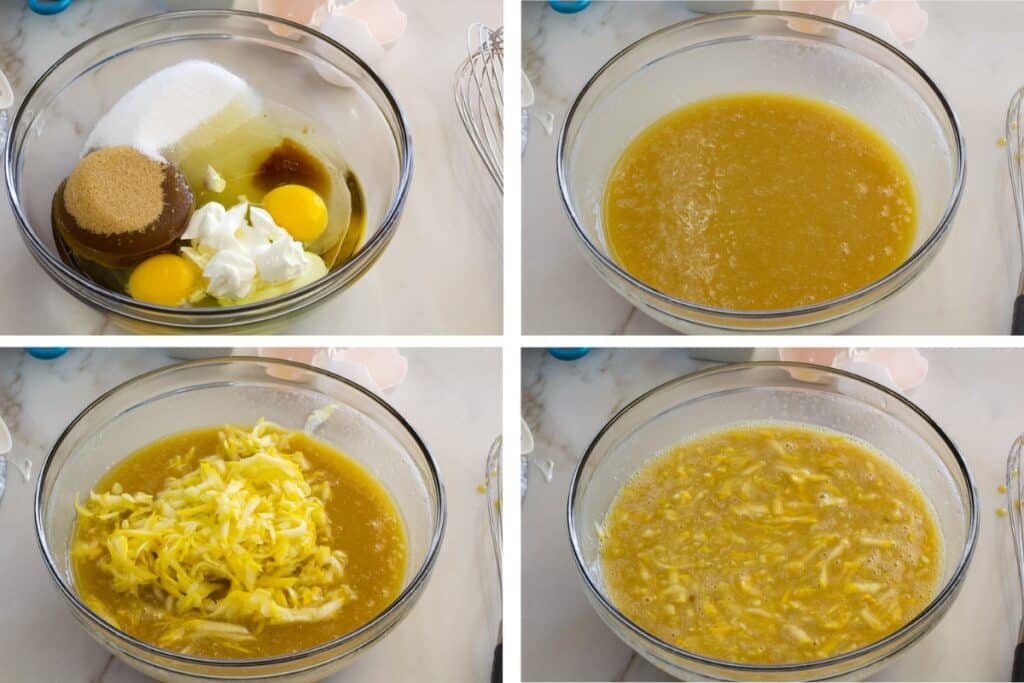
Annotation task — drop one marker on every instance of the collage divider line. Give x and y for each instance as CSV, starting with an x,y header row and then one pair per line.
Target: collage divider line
x,y
512,342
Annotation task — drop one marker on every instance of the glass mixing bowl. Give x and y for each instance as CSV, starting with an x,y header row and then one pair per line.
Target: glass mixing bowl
x,y
792,392
240,390
286,63
757,52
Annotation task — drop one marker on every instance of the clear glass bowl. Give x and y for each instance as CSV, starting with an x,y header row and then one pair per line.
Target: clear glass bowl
x,y
240,390
761,51
286,63
794,392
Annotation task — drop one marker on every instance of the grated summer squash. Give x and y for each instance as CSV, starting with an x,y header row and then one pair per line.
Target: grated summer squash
x,y
240,541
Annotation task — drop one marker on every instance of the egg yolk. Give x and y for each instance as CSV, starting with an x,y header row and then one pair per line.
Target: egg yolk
x,y
165,279
298,210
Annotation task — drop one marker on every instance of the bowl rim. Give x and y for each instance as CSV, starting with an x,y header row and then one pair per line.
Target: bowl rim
x,y
937,604
356,264
919,255
406,595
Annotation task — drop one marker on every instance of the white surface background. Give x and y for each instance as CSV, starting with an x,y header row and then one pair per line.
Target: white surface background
x,y
967,393
441,274
452,398
971,49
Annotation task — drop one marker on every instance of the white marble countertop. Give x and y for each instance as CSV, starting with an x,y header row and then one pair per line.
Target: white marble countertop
x,y
971,49
441,274
451,397
966,392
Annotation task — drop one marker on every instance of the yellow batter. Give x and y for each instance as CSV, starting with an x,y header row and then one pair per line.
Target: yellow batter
x,y
759,201
769,544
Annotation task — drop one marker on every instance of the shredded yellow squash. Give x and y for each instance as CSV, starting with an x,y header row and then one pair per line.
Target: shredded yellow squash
x,y
236,543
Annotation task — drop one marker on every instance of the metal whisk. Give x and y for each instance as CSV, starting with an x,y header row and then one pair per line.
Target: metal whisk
x,y
1014,150
1014,496
478,95
493,487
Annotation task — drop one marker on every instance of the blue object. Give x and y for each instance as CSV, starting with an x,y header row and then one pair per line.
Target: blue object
x,y
48,353
569,354
48,6
569,6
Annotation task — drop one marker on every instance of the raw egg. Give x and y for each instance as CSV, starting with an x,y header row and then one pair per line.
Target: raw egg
x,y
164,279
299,210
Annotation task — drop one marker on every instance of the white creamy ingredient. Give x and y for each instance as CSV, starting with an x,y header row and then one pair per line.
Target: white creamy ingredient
x,y
214,181
162,110
237,254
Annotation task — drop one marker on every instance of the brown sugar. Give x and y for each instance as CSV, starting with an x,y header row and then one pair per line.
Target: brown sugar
x,y
115,190
119,207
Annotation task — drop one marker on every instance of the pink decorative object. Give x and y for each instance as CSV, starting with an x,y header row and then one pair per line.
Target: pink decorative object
x,y
385,21
376,369
385,368
815,356
904,18
898,22
899,369
299,11
874,25
820,8
366,27
308,12
369,28
299,355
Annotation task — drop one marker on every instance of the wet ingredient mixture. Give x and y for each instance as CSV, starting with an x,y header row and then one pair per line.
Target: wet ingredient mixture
x,y
232,541
769,544
194,190
759,201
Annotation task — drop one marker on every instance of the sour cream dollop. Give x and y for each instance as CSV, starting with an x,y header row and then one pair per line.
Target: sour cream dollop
x,y
245,255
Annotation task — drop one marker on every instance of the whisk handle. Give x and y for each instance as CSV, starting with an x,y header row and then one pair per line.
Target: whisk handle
x,y
496,667
1018,663
1018,316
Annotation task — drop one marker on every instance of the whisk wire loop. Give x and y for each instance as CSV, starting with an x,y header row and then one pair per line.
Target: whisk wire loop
x,y
479,96
1014,496
1014,151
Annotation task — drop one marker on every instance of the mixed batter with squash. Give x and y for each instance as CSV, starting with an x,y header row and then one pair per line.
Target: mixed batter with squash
x,y
238,542
770,543
759,201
